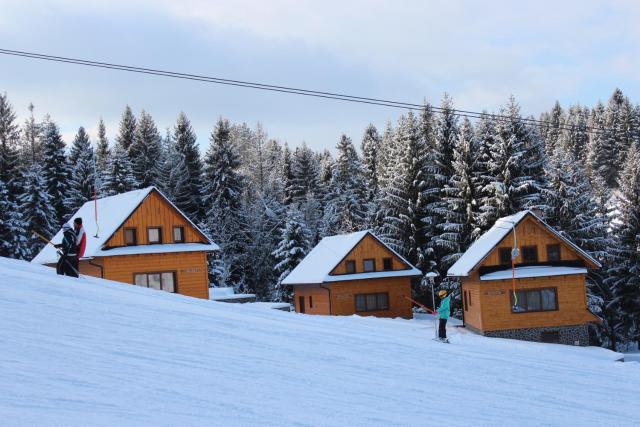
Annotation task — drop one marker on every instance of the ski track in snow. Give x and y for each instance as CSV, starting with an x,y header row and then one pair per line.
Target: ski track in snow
x,y
93,352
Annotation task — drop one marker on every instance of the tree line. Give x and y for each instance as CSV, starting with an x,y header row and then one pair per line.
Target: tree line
x,y
429,185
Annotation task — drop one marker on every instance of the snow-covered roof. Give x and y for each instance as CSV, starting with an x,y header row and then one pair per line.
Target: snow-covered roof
x,y
481,248
113,211
534,271
320,262
157,249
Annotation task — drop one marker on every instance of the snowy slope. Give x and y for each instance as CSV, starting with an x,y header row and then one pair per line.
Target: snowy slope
x,y
93,352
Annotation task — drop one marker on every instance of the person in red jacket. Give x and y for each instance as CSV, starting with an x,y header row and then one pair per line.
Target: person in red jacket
x,y
81,237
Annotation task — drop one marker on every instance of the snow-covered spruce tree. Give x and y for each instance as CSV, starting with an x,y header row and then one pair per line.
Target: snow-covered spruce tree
x,y
146,151
574,137
304,173
119,177
456,234
9,137
37,209
402,198
102,149
601,155
286,175
292,248
223,200
127,131
625,270
56,170
346,209
173,176
370,146
31,147
186,144
485,134
385,156
83,176
13,236
550,130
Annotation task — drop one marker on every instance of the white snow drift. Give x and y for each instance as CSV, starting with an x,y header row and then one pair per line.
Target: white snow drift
x,y
79,352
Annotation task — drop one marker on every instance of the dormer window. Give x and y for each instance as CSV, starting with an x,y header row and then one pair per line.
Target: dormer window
x,y
178,234
387,264
130,237
529,254
505,256
369,265
154,235
351,266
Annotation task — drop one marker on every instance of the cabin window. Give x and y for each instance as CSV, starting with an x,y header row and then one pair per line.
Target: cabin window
x,y
387,264
505,256
530,254
351,267
301,304
372,302
553,252
130,237
369,265
164,281
178,234
532,300
466,302
154,235
310,301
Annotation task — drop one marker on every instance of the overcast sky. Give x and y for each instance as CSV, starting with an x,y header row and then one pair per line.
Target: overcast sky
x,y
479,52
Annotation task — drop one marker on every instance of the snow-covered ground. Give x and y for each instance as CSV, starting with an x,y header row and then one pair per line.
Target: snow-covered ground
x,y
78,352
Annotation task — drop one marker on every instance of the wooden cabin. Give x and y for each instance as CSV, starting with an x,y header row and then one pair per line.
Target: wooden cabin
x,y
550,300
143,239
353,274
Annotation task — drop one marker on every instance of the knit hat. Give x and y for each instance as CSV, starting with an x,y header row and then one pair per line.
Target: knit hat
x,y
442,293
66,226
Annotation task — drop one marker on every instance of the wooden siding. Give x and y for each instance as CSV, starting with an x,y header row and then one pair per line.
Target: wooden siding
x,y
320,299
495,303
343,300
530,232
369,248
154,211
89,269
190,268
472,312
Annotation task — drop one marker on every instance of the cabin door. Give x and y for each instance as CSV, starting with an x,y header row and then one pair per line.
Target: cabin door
x,y
301,304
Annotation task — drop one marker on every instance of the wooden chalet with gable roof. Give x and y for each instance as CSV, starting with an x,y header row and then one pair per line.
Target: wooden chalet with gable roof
x,y
550,301
143,239
353,273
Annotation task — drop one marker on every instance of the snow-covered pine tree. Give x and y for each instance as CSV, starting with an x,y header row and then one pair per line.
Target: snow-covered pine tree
x,y
550,130
574,137
56,170
173,178
625,270
186,144
456,234
286,175
223,192
370,147
127,131
31,147
102,149
485,134
601,156
13,236
402,198
346,210
146,151
304,173
292,248
83,173
37,208
119,177
9,137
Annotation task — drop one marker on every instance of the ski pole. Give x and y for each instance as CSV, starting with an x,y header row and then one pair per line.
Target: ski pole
x,y
64,258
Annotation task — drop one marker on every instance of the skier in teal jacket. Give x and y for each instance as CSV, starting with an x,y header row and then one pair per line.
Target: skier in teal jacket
x,y
444,311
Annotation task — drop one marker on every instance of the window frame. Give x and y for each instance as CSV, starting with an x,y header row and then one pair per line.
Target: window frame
x,y
377,305
155,227
529,247
173,234
135,236
554,245
384,262
364,268
539,291
350,262
503,251
160,273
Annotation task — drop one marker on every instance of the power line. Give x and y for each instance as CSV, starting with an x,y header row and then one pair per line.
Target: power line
x,y
285,89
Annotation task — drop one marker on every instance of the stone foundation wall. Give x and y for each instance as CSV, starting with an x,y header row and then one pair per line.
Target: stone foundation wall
x,y
569,335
